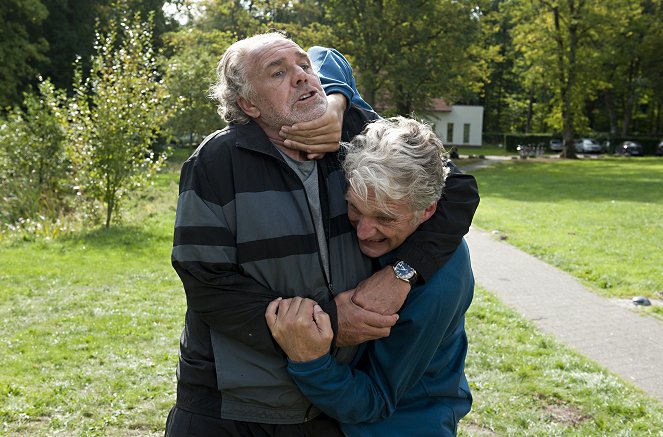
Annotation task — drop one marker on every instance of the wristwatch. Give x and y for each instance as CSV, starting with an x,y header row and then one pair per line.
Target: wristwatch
x,y
405,273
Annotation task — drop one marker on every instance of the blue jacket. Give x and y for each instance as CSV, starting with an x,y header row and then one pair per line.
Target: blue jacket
x,y
412,382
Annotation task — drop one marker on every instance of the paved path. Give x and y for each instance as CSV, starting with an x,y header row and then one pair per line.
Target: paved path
x,y
625,343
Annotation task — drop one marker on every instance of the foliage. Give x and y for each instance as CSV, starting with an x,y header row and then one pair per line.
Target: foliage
x,y
631,69
407,52
33,162
115,116
581,64
20,46
594,69
189,73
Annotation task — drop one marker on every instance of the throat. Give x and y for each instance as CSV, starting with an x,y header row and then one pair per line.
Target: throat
x,y
297,155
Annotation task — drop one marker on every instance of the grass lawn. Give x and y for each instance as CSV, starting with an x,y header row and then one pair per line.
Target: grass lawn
x,y
90,326
599,219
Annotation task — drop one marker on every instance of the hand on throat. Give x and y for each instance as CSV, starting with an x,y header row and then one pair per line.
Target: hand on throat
x,y
273,135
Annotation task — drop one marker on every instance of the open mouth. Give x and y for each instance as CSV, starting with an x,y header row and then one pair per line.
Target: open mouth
x,y
381,240
307,96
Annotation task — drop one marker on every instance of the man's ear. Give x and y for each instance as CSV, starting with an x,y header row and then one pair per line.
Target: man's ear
x,y
248,107
428,212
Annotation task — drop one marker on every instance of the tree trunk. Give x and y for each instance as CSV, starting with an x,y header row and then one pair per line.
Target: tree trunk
x,y
566,81
630,97
530,110
612,112
403,103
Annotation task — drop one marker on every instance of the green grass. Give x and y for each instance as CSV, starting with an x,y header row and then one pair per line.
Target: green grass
x,y
598,219
524,383
90,326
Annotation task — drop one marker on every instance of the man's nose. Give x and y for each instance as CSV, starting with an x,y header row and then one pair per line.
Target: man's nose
x,y
365,228
300,75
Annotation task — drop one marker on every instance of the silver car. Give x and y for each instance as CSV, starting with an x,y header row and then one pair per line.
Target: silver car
x,y
588,145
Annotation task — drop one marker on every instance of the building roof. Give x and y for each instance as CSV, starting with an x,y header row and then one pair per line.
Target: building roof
x,y
440,105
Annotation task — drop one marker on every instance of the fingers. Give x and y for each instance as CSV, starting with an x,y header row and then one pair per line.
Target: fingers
x,y
380,321
270,313
321,319
317,149
321,135
320,145
309,129
283,314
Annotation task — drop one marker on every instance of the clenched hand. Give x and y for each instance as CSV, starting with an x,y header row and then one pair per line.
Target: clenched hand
x,y
300,327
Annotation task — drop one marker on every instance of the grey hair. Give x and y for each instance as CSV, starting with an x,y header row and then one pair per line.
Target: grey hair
x,y
232,77
397,158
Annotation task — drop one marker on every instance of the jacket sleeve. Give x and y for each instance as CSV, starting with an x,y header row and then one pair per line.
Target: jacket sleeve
x,y
428,248
429,338
433,243
336,75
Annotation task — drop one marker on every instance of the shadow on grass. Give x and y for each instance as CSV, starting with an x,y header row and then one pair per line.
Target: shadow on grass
x,y
125,237
550,181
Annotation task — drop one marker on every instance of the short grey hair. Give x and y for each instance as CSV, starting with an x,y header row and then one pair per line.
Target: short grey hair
x,y
232,77
397,158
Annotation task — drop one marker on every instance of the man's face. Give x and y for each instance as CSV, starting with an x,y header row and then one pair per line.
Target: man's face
x,y
379,232
286,89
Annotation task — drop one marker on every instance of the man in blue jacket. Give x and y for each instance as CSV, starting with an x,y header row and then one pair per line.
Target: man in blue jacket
x,y
412,382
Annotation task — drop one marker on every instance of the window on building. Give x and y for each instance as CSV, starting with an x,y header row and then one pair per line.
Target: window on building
x,y
466,133
450,133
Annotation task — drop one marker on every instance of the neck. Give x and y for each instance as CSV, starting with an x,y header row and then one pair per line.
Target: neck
x,y
275,138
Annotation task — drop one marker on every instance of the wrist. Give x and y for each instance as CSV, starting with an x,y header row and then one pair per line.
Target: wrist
x,y
405,272
338,101
306,357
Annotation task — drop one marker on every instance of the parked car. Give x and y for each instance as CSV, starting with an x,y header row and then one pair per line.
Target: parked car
x,y
659,149
555,145
588,145
630,148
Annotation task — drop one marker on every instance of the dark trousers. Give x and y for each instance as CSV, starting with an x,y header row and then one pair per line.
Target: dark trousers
x,y
182,423
196,414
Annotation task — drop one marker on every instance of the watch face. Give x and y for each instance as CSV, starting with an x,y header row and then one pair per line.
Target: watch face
x,y
403,270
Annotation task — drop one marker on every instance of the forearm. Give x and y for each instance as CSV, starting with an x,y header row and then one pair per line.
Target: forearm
x,y
336,75
346,395
229,303
433,243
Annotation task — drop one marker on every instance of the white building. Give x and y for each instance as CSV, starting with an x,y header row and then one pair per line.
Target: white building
x,y
456,125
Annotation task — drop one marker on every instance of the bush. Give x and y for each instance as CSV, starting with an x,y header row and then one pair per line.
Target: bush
x,y
33,162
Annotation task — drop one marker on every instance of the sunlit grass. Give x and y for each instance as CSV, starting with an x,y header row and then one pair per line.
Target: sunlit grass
x,y
90,327
524,383
599,219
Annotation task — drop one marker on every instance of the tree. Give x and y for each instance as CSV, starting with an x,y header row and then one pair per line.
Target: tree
x,y
560,41
232,16
21,46
190,72
115,115
407,52
70,30
622,64
33,163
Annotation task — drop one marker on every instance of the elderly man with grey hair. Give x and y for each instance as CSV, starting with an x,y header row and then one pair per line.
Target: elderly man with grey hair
x,y
257,220
412,382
